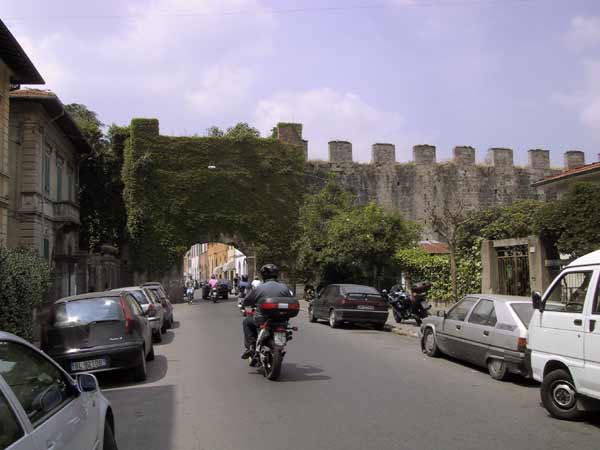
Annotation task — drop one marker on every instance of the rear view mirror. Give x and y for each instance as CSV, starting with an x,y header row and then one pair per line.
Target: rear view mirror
x,y
87,382
441,314
48,399
536,299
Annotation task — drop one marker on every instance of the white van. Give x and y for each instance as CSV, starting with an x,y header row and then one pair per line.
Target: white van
x,y
564,339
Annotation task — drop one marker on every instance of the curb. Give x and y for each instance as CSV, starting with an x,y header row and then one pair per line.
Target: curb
x,y
400,332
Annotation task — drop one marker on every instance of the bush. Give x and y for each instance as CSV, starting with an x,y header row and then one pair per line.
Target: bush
x,y
24,279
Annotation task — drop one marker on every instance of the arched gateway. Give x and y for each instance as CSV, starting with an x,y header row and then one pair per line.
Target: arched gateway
x,y
182,190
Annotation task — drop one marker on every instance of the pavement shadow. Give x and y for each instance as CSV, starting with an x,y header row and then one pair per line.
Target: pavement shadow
x,y
167,338
519,380
301,372
136,420
157,370
175,325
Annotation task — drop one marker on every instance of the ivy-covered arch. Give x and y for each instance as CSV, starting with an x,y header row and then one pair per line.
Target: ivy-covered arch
x,y
179,191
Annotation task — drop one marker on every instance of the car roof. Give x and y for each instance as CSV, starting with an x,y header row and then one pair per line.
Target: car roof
x,y
350,285
116,293
129,288
152,283
502,298
587,260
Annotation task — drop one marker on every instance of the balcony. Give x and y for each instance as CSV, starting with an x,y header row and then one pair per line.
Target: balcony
x,y
66,212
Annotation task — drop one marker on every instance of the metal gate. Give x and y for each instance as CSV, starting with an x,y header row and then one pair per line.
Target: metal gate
x,y
513,270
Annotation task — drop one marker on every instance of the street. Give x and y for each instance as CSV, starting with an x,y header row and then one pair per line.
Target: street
x,y
340,389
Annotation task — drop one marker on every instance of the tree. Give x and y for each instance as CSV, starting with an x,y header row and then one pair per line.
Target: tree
x,y
241,130
214,131
573,222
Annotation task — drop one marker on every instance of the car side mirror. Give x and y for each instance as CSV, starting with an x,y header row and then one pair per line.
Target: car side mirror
x,y
48,399
442,314
87,382
536,300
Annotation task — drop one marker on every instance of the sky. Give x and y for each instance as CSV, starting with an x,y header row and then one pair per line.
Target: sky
x,y
487,73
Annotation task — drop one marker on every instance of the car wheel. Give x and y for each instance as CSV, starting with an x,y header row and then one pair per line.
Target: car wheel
x,y
140,372
559,395
109,438
497,369
311,315
333,323
430,347
157,336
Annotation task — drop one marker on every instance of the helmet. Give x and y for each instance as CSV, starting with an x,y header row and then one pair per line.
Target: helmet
x,y
269,272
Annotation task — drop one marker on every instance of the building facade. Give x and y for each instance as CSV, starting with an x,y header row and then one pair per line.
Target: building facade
x,y
43,213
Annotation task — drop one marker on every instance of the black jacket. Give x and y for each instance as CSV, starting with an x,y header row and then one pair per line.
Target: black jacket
x,y
268,289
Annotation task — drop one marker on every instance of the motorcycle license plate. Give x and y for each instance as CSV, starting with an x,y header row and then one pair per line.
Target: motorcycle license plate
x,y
366,307
279,338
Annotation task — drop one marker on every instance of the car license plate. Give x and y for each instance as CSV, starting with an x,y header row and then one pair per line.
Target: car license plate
x,y
91,364
280,338
366,307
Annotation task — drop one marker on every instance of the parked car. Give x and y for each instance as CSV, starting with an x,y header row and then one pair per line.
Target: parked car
x,y
161,294
40,403
564,339
487,330
152,309
222,289
98,332
352,303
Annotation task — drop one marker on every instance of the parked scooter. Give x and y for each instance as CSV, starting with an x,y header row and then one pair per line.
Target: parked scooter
x,y
410,306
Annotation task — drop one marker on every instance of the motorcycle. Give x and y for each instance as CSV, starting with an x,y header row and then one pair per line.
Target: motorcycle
x,y
240,302
274,334
214,295
410,306
189,296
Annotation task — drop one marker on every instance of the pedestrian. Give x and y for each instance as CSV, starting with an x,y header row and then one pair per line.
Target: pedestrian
x,y
256,282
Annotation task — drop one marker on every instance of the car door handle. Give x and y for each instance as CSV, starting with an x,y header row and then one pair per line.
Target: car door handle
x,y
486,333
458,327
577,322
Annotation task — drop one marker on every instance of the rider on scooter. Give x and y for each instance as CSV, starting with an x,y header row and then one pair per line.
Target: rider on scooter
x,y
268,289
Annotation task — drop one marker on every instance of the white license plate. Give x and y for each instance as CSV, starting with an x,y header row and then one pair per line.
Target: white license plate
x,y
280,338
89,365
283,305
367,307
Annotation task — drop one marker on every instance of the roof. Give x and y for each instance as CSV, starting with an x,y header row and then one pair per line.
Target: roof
x,y
13,55
587,260
89,295
501,298
56,110
128,288
434,247
581,170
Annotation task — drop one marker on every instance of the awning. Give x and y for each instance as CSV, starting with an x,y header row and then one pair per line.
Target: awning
x,y
229,265
218,269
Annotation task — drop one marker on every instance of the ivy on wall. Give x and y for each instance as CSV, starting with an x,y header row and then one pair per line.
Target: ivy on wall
x,y
182,190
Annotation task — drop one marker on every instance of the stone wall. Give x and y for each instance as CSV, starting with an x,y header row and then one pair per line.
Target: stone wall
x,y
4,171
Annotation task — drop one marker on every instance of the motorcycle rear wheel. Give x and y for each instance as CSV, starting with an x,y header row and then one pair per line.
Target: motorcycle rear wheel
x,y
272,367
397,317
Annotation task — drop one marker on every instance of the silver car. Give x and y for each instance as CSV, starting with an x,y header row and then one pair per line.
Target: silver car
x,y
147,300
41,406
487,330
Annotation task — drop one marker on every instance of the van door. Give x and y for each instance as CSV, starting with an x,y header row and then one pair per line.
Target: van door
x,y
591,378
561,330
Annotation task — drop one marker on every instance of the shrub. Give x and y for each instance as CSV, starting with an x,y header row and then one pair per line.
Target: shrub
x,y
24,279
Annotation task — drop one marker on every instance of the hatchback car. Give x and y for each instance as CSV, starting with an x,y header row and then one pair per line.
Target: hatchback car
x,y
351,303
152,308
162,296
487,330
98,332
41,406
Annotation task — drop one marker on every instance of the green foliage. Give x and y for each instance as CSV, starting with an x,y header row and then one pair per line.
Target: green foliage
x,y
573,222
241,130
341,241
24,278
173,199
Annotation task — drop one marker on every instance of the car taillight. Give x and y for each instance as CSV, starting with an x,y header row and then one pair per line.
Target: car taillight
x,y
128,316
521,344
344,300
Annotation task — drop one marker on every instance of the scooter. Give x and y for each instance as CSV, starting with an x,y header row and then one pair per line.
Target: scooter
x,y
214,295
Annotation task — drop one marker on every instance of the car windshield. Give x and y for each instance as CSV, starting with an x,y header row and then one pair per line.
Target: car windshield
x,y
157,291
140,297
360,290
524,311
81,312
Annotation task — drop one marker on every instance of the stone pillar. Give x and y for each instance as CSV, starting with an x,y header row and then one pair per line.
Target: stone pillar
x,y
500,157
489,268
539,275
340,152
574,159
539,159
464,156
424,154
383,154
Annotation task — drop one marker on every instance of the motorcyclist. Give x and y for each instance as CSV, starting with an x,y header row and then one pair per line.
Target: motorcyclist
x,y
268,289
213,281
244,285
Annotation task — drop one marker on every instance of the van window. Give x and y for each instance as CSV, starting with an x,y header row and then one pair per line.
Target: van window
x,y
568,294
596,306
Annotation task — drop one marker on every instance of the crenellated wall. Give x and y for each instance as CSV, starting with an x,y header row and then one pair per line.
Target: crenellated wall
x,y
424,184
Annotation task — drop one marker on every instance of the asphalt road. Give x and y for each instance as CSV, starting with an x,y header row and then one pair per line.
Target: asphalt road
x,y
340,389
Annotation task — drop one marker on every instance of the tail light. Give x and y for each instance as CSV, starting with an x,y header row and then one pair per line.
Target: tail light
x,y
521,344
268,306
345,300
128,316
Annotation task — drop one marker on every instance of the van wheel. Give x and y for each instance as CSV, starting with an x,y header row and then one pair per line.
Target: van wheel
x,y
333,323
311,315
497,369
559,395
430,347
140,373
109,438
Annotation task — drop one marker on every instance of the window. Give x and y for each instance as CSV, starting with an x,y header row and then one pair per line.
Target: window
x,y
59,187
11,428
596,307
524,311
461,309
30,375
484,314
82,312
46,249
46,169
135,306
568,294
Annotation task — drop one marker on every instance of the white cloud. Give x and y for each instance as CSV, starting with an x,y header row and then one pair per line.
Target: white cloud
x,y
583,33
40,52
331,115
